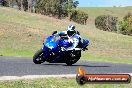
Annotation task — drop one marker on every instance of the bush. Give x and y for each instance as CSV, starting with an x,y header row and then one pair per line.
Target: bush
x,y
79,16
125,26
127,16
106,23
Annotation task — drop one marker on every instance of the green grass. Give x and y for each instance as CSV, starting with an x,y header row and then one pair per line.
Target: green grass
x,y
21,34
56,83
99,58
119,12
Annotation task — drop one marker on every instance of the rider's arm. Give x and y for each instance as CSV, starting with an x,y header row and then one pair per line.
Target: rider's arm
x,y
75,42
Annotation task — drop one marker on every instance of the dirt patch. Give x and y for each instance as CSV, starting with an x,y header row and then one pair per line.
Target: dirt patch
x,y
34,31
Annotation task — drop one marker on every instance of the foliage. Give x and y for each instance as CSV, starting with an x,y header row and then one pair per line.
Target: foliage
x,y
55,8
3,3
59,8
125,26
127,16
79,16
106,23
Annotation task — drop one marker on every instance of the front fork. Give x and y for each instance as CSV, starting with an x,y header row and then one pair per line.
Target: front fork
x,y
45,54
49,54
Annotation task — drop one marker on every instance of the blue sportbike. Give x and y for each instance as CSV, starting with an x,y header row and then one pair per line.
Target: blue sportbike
x,y
54,51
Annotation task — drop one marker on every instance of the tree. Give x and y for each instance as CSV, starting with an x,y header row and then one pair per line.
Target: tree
x,y
10,2
59,8
30,5
3,2
22,4
25,5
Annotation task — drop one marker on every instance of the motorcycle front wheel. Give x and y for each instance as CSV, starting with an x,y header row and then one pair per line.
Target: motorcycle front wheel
x,y
37,58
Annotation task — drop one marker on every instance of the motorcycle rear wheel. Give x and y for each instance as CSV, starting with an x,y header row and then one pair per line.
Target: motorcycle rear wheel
x,y
73,58
37,58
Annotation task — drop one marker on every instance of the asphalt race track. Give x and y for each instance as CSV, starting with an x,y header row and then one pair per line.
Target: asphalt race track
x,y
20,66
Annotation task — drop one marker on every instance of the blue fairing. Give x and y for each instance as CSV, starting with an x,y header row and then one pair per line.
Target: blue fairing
x,y
53,44
85,43
50,42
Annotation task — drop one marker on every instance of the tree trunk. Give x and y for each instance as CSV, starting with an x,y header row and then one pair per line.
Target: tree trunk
x,y
9,3
22,9
30,3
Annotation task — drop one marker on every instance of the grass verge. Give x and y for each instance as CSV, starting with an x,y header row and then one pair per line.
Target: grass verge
x,y
56,83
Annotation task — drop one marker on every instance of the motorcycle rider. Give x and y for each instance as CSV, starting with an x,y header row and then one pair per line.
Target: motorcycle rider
x,y
73,37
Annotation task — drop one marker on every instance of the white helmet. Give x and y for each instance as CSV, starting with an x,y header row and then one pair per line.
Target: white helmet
x,y
71,30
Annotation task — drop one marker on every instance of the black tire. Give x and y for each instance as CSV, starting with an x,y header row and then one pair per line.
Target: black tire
x,y
37,57
72,61
69,63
